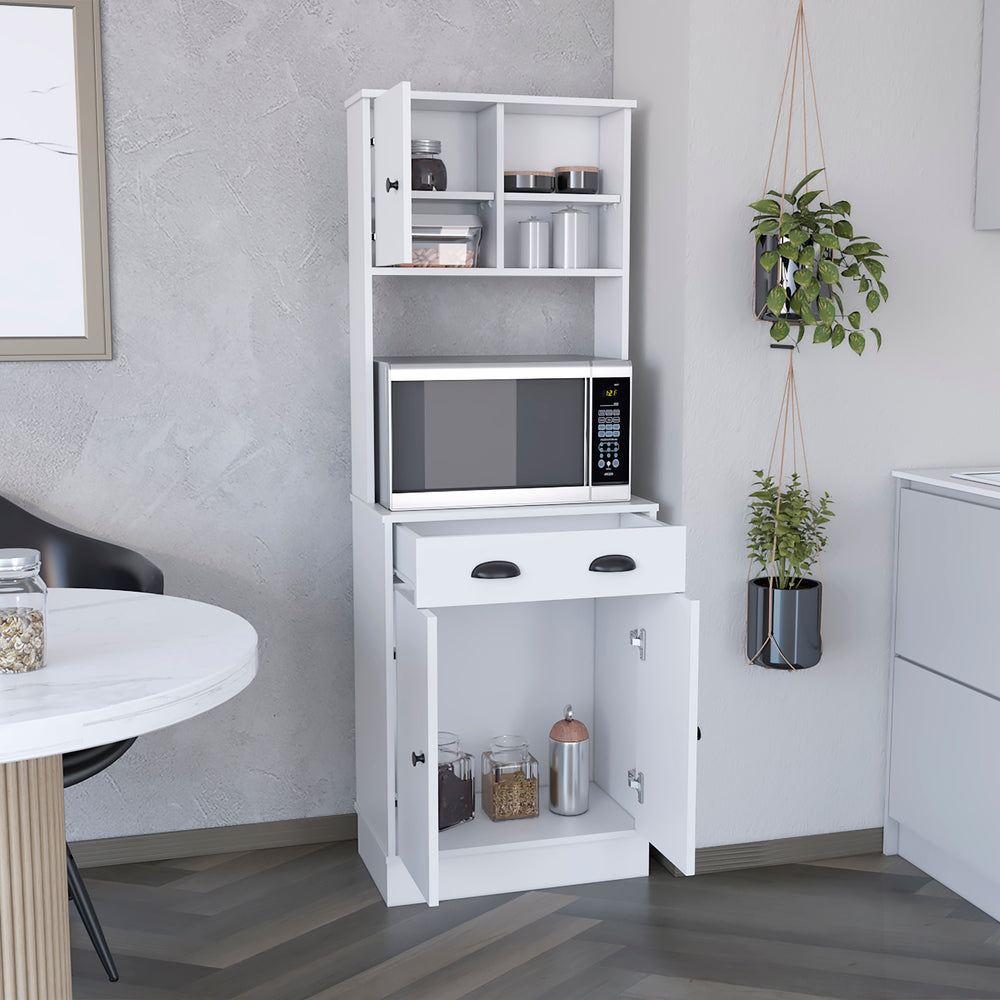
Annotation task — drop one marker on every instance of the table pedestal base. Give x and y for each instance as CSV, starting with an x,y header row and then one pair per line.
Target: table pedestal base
x,y
34,900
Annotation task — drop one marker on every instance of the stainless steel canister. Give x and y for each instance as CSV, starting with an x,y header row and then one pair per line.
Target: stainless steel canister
x,y
570,238
534,242
569,766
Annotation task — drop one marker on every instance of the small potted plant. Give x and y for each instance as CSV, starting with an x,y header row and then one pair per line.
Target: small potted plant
x,y
805,253
784,607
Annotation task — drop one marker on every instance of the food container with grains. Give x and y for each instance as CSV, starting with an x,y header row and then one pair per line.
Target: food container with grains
x,y
22,611
509,779
456,793
446,241
427,169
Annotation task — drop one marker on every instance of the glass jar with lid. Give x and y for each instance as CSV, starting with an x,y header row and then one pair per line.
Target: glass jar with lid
x,y
427,169
509,779
22,611
456,789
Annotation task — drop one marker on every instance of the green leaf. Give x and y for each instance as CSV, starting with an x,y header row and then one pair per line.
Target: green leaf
x,y
787,224
839,301
826,240
856,250
822,333
801,276
841,207
811,288
883,290
851,272
857,342
807,198
797,236
844,229
767,226
854,319
805,180
769,259
828,272
874,267
878,338
807,256
872,301
788,251
776,299
807,316
838,336
863,285
779,330
826,309
766,207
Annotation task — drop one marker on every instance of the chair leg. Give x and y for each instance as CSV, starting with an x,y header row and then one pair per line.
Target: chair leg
x,y
78,893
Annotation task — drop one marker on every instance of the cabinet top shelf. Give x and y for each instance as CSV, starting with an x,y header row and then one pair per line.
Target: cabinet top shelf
x,y
423,100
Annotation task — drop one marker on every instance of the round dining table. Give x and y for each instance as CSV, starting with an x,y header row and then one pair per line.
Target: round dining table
x,y
117,665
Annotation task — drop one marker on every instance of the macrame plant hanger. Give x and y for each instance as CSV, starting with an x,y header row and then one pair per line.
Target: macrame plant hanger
x,y
789,424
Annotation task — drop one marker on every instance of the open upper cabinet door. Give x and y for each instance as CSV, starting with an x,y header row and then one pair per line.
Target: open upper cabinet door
x,y
650,708
391,177
416,779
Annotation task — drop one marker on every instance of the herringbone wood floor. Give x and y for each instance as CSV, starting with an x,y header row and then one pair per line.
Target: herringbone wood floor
x,y
306,923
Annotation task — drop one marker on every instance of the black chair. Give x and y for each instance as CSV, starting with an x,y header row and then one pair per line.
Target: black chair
x,y
73,560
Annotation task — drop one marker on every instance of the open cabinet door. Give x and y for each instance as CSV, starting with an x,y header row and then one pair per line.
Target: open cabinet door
x,y
652,704
391,177
416,727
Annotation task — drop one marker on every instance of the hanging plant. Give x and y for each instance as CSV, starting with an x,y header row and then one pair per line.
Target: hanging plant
x,y
804,256
808,257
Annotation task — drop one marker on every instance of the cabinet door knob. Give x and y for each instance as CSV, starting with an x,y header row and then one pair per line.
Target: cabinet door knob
x,y
417,758
391,185
612,564
496,569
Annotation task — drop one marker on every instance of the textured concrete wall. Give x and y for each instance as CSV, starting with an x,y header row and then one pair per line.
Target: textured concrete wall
x,y
792,754
217,440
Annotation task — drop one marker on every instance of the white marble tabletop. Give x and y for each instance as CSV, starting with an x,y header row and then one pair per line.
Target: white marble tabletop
x,y
119,664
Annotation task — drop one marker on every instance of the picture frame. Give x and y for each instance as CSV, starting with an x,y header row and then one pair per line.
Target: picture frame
x,y
54,283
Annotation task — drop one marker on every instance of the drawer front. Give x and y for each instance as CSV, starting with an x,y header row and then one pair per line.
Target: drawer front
x,y
948,589
942,776
541,566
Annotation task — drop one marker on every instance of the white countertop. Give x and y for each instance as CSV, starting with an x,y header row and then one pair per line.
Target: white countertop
x,y
120,664
946,478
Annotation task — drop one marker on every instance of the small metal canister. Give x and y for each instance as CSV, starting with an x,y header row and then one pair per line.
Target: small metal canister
x,y
569,766
570,238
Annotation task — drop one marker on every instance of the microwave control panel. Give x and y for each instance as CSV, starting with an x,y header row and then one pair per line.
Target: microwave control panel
x,y
610,431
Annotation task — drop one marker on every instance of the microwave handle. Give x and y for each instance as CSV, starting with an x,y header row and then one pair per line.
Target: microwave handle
x,y
612,564
496,569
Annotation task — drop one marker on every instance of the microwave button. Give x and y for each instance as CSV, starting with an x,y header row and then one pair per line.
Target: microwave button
x,y
614,464
600,463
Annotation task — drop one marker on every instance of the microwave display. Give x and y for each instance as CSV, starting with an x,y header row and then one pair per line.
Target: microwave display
x,y
488,434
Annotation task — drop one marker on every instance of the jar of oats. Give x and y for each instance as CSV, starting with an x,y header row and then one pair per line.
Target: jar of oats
x,y
509,779
22,611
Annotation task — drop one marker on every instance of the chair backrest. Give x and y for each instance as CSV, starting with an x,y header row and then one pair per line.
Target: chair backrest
x,y
70,559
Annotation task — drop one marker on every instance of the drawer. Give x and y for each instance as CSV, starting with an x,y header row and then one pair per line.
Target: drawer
x,y
948,584
498,561
945,745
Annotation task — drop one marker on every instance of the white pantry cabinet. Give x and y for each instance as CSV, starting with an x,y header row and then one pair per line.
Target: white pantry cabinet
x,y
435,648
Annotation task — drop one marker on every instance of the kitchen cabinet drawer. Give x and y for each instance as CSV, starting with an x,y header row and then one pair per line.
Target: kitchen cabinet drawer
x,y
450,563
947,587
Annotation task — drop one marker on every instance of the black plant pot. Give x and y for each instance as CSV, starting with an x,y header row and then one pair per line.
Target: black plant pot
x,y
780,274
795,641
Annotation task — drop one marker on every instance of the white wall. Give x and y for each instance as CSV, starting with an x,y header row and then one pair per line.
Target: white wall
x,y
790,754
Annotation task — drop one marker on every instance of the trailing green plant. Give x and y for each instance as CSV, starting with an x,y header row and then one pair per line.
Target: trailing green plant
x,y
799,523
820,247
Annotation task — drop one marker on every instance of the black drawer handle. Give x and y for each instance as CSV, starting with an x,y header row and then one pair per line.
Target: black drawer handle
x,y
496,569
391,185
612,564
417,758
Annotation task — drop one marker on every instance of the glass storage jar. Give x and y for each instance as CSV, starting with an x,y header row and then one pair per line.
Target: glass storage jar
x,y
456,790
22,611
509,779
427,169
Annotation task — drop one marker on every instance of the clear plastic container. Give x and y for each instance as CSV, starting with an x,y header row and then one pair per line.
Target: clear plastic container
x,y
446,241
509,779
22,611
456,789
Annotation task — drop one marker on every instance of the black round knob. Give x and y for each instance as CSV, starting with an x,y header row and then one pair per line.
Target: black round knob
x,y
391,185
417,758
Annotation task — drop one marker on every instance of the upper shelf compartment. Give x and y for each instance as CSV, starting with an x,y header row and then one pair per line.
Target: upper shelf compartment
x,y
482,136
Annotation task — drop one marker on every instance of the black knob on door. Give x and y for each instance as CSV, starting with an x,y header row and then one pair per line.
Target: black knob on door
x,y
417,758
391,185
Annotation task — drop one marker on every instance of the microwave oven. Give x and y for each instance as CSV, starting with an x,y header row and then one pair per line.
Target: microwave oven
x,y
485,432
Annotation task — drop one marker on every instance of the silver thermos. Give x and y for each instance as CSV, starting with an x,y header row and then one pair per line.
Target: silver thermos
x,y
569,766
570,238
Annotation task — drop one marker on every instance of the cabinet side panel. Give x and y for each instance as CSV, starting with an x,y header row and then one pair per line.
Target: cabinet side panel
x,y
374,680
489,178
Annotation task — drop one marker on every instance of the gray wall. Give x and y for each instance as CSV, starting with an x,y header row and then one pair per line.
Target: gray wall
x,y
217,440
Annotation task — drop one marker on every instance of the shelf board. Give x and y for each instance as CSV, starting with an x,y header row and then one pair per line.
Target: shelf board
x,y
603,820
522,198
453,196
502,272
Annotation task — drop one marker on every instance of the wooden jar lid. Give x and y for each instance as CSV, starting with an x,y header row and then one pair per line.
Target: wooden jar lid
x,y
568,729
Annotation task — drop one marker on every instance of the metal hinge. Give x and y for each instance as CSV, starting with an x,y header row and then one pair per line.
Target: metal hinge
x,y
637,638
636,781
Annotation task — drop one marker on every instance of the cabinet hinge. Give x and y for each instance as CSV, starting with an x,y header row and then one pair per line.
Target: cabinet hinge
x,y
637,638
636,781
